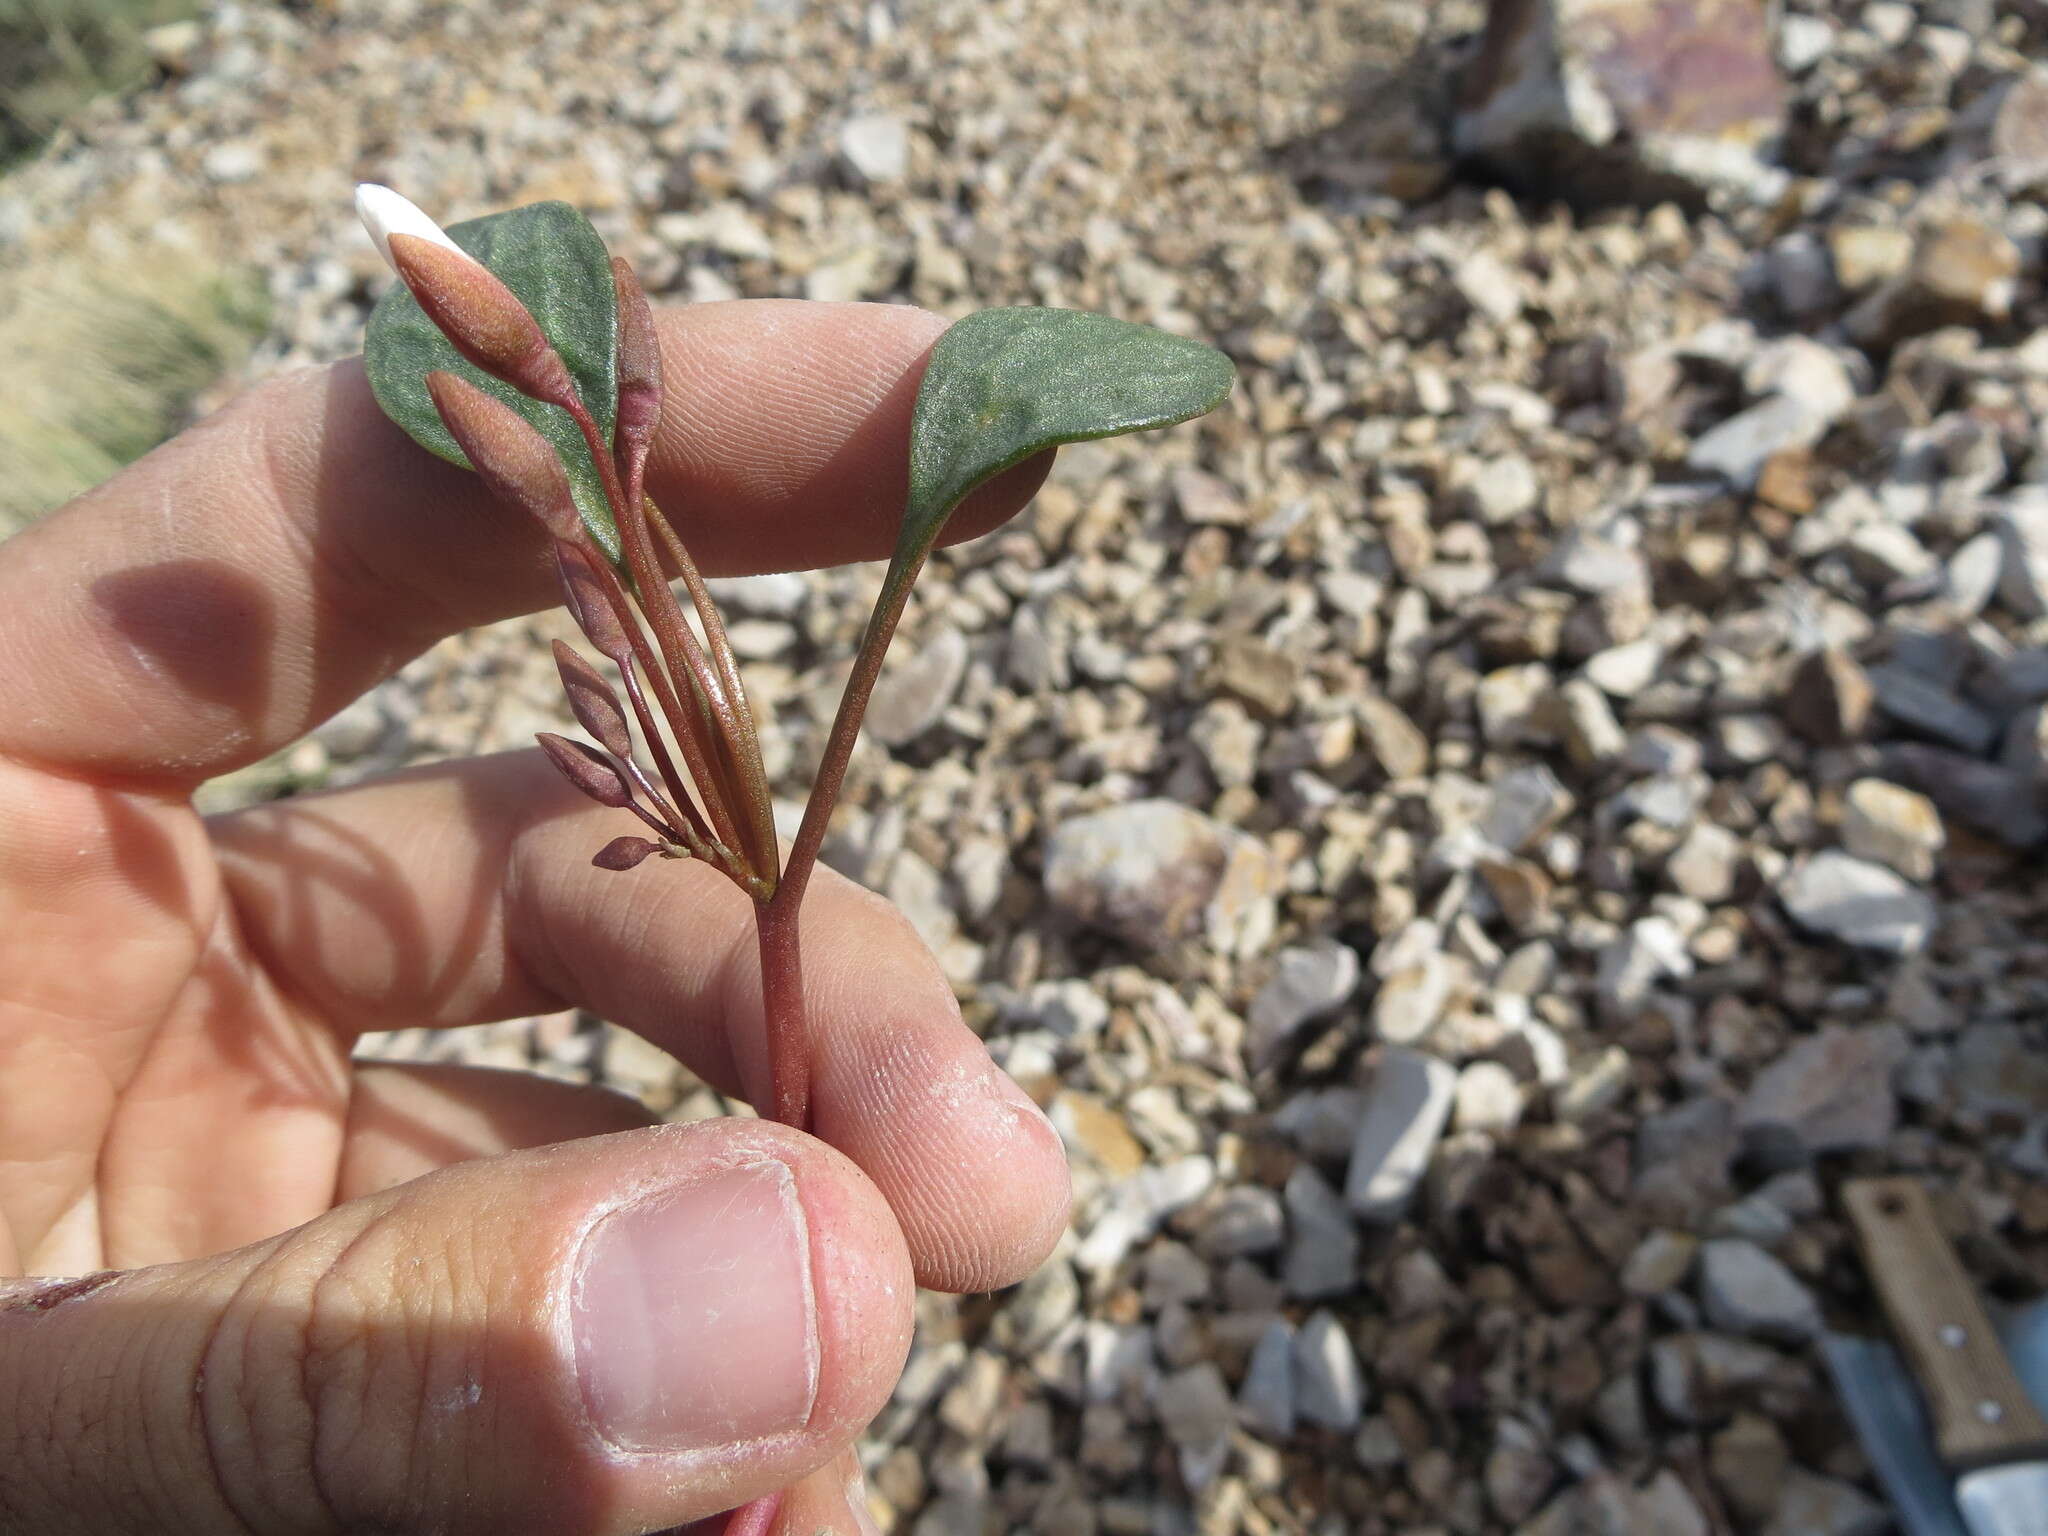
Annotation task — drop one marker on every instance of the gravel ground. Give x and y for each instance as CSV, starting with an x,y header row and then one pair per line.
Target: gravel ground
x,y
1473,842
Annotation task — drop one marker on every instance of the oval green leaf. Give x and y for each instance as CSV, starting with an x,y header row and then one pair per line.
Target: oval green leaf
x,y
1004,384
548,254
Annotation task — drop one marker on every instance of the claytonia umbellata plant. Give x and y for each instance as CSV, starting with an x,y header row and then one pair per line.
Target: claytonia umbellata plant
x,y
519,348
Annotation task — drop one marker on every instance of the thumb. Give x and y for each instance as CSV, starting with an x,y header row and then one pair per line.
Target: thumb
x,y
604,1336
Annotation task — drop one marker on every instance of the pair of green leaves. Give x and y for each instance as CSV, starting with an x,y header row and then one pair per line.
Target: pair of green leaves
x,y
1001,386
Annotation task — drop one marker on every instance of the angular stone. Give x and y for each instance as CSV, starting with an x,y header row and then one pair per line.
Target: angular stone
x,y
1410,1001
916,688
2000,1068
1739,447
1261,676
1527,804
1705,864
1892,825
1307,984
1405,1109
1859,903
1812,1505
1579,715
1647,100
1206,500
1151,872
1395,743
2022,527
1746,1291
1660,1263
1930,709
1194,1406
1487,1099
1963,272
1998,801
1831,1092
1265,1402
877,146
1329,1392
1322,1239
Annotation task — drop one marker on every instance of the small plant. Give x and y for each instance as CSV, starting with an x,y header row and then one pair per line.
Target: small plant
x,y
519,348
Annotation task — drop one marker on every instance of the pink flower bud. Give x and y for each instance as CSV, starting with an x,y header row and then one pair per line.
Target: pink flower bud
x,y
519,465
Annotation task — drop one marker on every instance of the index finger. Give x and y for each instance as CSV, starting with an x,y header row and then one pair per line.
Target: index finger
x,y
249,578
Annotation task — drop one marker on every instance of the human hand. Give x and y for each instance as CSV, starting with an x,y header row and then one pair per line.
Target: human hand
x,y
321,1296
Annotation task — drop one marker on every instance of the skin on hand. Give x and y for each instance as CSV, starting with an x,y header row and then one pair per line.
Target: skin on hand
x,y
178,999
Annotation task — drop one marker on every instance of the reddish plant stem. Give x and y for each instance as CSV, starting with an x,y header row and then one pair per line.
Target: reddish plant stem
x,y
782,1011
759,806
722,790
853,705
782,980
691,744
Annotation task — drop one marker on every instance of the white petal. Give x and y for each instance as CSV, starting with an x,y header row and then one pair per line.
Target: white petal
x,y
384,213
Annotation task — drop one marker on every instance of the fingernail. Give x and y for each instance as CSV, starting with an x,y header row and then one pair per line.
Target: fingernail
x,y
694,1321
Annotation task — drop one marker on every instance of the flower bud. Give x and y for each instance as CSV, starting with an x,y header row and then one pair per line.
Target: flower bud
x,y
384,213
518,464
639,362
481,317
588,769
624,853
586,597
593,703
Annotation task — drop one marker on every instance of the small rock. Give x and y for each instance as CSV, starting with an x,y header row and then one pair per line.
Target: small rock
x,y
1972,574
1705,864
1308,983
1962,272
914,692
1410,1001
1518,1474
1265,1401
1207,501
1925,706
1527,803
1812,1505
1580,716
1503,490
1607,98
1194,1406
1830,1092
1322,1242
1999,1069
1152,872
1487,1099
1859,903
1660,1263
877,146
1749,1462
235,162
1738,448
1746,1291
1866,255
1406,1107
1247,1219
1893,826
1328,1390
1400,749
2022,527
1489,286
1264,678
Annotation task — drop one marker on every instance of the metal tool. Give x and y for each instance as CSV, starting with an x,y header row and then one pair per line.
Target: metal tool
x,y
1967,1454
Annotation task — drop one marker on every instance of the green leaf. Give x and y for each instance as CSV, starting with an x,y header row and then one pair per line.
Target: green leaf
x,y
548,254
1004,384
